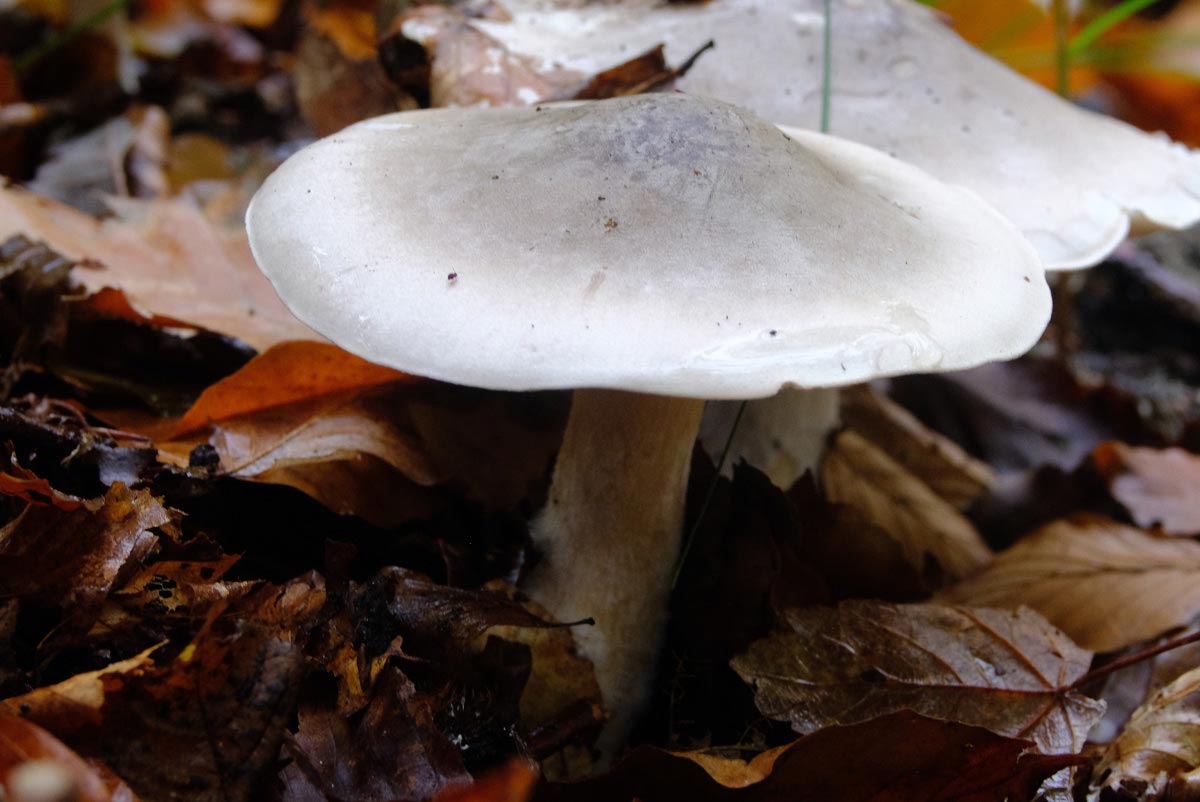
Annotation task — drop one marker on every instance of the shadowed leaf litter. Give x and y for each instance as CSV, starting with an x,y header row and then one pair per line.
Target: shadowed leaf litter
x,y
238,563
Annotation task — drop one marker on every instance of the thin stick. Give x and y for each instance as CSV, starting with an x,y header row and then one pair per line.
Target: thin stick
x,y
1136,657
1062,52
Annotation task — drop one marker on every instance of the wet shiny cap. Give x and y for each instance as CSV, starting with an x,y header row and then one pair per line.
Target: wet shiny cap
x,y
658,243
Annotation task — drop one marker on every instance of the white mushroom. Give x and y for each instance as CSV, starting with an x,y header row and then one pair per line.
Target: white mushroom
x,y
1074,182
652,252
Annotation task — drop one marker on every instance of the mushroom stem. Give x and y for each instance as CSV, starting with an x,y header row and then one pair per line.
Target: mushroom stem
x,y
783,436
610,534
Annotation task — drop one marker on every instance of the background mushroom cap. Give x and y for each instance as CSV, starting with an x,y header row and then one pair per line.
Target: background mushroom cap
x,y
659,243
1073,181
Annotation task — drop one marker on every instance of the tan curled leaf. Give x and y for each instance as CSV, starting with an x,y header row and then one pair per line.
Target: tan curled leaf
x,y
938,461
1105,584
170,262
72,705
1009,672
1160,744
1159,487
860,475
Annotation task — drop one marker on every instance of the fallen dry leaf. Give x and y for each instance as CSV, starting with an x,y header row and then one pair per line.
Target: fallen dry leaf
x,y
72,705
207,725
393,750
857,474
901,757
1009,672
1105,584
170,263
1157,486
360,438
336,83
434,49
1159,747
73,559
939,462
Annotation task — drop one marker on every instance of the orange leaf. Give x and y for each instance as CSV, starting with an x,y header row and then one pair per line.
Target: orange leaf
x,y
288,373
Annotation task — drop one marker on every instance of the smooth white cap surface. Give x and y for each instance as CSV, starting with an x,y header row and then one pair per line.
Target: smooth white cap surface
x,y
660,243
903,82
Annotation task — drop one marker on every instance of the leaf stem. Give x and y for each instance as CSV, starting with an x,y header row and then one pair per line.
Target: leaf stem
x,y
827,66
1062,51
1101,24
1136,657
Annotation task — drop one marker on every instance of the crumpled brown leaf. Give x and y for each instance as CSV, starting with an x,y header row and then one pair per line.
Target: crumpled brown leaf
x,y
360,438
1010,672
170,263
901,757
434,48
857,474
73,559
1105,584
206,725
338,77
393,750
1157,486
1159,748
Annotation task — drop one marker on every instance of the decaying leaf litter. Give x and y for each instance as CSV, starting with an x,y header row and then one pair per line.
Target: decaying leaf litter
x,y
240,563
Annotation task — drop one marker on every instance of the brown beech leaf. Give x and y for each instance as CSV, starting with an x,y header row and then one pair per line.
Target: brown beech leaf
x,y
31,758
73,559
28,486
208,724
1009,672
434,49
287,373
338,78
170,263
179,588
860,475
348,432
1157,486
73,705
393,750
939,462
1105,584
902,757
1159,746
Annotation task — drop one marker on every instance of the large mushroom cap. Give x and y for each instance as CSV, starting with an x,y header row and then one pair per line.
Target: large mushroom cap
x,y
1074,182
659,243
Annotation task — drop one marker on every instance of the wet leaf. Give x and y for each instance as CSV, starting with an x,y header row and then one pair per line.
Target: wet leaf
x,y
857,474
208,724
1105,584
392,751
901,757
1010,672
73,705
1157,487
73,559
1160,745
